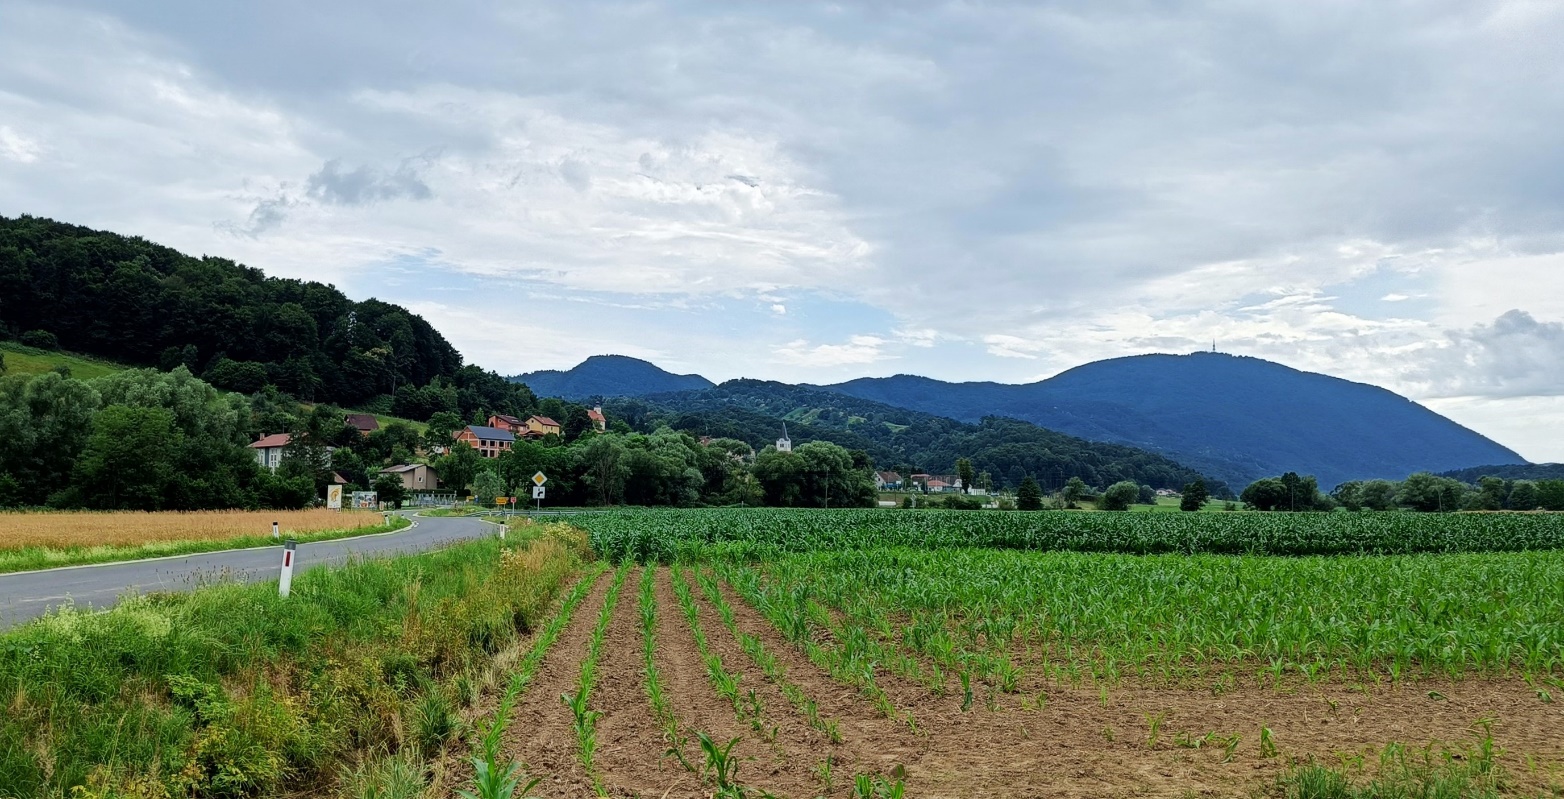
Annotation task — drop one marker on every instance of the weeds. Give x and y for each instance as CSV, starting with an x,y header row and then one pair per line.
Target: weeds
x,y
434,722
1470,772
231,690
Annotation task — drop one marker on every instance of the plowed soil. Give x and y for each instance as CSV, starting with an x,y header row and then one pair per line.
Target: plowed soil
x,y
1080,741
1084,741
631,746
541,735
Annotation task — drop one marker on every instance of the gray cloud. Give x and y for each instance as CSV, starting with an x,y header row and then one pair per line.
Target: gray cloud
x,y
365,184
1515,356
1056,181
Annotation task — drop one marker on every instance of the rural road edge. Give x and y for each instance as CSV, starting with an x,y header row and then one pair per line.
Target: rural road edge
x,y
27,595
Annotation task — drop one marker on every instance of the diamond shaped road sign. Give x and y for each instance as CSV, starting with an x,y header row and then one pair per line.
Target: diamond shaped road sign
x,y
539,479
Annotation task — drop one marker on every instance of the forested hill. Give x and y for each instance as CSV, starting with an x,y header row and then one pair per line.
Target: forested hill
x,y
128,300
609,376
1529,471
898,438
1235,418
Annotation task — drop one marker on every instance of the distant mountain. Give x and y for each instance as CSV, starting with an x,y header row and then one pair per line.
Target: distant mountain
x,y
1234,418
898,438
1530,471
609,376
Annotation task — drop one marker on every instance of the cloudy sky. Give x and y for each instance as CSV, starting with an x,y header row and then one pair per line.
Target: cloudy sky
x,y
821,191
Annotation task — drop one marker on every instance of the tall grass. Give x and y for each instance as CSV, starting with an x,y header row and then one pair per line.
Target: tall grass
x,y
231,691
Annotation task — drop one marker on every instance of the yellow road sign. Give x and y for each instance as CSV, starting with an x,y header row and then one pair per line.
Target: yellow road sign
x,y
539,479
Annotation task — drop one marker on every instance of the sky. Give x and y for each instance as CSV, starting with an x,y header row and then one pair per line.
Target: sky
x,y
814,192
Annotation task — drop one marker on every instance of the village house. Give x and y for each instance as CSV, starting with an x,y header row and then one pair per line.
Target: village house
x,y
414,476
599,422
887,481
490,442
364,423
540,426
509,424
268,451
939,483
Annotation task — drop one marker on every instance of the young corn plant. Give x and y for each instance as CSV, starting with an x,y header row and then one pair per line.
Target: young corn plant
x,y
767,662
725,682
656,692
792,612
584,718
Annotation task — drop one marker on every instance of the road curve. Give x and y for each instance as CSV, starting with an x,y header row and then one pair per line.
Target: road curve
x,y
28,595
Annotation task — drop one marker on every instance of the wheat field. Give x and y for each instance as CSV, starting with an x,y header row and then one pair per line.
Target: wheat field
x,y
134,528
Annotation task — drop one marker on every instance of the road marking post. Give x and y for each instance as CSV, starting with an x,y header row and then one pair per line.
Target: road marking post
x,y
275,534
285,583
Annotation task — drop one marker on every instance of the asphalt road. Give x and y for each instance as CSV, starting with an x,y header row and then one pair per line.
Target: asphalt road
x,y
27,595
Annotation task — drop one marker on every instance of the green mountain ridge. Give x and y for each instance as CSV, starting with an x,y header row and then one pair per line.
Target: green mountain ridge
x,y
897,438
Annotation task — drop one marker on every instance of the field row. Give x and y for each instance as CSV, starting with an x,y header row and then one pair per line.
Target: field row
x,y
668,535
732,681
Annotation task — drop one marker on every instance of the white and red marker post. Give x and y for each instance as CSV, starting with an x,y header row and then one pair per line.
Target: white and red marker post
x,y
285,583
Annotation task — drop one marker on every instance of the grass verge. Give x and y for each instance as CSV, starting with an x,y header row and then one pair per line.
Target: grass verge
x,y
33,558
231,691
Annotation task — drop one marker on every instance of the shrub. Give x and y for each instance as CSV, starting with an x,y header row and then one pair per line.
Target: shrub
x,y
42,339
1119,496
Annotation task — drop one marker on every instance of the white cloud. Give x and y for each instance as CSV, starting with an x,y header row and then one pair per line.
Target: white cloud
x,y
18,148
1034,185
857,350
1006,346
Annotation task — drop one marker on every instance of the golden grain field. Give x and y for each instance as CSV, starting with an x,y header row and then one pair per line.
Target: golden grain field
x,y
132,528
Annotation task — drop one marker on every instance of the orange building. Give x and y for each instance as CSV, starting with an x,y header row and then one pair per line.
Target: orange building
x,y
490,442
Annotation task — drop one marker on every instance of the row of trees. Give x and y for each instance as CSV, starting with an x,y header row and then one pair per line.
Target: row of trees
x,y
667,467
1423,492
139,439
1117,497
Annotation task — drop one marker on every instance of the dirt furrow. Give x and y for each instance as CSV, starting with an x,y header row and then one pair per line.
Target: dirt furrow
x,y
795,750
631,745
700,708
540,734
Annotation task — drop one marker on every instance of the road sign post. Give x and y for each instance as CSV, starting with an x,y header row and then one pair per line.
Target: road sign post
x,y
537,488
285,583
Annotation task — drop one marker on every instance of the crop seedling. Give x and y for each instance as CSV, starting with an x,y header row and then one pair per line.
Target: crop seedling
x,y
1267,743
1155,723
873,786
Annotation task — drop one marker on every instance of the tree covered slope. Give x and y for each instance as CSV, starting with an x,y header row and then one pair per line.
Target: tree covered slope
x,y
1235,418
128,300
899,438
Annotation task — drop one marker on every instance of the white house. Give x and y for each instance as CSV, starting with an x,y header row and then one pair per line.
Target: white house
x,y
268,451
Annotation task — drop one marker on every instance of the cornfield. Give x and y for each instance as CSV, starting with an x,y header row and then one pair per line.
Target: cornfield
x,y
665,535
128,528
